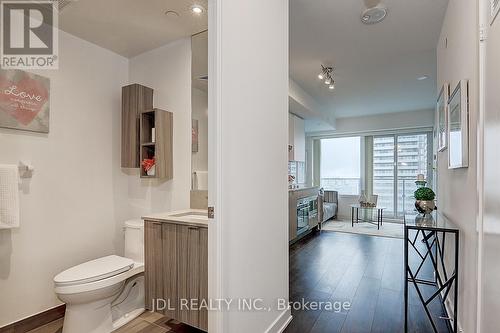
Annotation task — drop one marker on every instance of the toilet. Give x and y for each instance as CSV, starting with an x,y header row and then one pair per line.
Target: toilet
x,y
104,294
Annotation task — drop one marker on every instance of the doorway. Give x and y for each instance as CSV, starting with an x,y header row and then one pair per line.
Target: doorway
x,y
398,160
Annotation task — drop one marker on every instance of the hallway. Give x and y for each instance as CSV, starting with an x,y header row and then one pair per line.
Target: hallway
x,y
364,270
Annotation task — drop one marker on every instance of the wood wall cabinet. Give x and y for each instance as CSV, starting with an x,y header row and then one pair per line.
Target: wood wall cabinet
x,y
159,146
135,99
179,271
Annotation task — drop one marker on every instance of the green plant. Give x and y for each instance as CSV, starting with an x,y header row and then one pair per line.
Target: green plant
x,y
425,194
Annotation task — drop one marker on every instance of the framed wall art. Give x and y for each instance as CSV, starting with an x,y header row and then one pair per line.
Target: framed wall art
x,y
194,136
24,101
442,117
458,127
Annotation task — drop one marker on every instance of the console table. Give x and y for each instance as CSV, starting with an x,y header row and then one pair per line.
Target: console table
x,y
432,230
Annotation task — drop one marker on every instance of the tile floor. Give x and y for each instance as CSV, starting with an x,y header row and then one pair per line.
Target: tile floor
x,y
148,322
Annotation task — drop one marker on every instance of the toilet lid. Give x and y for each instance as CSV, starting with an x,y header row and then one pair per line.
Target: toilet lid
x,y
94,270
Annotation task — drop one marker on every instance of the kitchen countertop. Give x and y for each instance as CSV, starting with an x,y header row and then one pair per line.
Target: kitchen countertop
x,y
302,188
198,217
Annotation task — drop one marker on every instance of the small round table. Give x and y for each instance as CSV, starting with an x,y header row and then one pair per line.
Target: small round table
x,y
355,214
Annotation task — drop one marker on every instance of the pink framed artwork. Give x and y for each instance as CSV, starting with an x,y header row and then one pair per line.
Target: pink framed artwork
x,y
24,101
194,135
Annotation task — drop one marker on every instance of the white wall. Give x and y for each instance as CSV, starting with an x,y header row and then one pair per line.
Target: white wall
x,y
167,70
199,160
457,189
68,209
251,117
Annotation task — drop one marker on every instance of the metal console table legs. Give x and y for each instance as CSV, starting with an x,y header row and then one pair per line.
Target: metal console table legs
x,y
432,231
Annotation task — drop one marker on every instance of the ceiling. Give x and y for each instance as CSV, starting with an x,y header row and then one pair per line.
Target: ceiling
x,y
376,66
131,27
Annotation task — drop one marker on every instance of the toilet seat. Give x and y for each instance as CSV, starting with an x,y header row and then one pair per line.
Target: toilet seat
x,y
94,270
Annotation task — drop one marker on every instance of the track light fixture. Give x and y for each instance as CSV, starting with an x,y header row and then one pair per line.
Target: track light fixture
x,y
326,76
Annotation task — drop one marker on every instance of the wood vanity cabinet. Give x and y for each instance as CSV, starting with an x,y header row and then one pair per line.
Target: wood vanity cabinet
x,y
135,99
176,269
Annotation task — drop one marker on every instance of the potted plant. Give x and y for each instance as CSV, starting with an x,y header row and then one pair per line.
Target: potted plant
x,y
424,197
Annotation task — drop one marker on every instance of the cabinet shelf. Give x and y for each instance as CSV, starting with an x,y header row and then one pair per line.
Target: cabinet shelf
x,y
159,147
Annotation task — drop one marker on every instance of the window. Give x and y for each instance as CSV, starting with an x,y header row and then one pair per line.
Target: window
x,y
341,165
397,160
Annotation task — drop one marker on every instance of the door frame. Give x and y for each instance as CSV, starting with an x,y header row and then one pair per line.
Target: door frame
x,y
215,251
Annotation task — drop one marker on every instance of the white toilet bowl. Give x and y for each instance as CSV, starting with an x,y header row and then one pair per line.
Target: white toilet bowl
x,y
104,294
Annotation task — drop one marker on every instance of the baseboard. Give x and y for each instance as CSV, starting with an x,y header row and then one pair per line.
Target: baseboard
x,y
279,325
35,321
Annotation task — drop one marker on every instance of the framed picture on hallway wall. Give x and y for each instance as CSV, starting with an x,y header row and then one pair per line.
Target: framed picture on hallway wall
x,y
442,115
458,127
24,101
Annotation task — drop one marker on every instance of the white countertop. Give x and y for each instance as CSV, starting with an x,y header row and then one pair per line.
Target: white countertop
x,y
303,188
188,216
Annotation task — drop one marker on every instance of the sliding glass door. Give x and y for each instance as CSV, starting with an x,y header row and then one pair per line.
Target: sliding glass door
x,y
383,172
397,160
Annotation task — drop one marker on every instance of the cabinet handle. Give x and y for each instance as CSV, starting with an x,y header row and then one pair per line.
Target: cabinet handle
x,y
193,228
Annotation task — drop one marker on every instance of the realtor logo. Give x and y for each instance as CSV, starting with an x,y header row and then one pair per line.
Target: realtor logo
x,y
29,34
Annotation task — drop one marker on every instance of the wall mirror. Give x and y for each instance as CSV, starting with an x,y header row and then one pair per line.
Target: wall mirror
x,y
441,108
458,127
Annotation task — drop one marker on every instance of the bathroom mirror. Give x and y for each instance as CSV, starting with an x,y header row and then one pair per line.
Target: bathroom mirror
x,y
441,108
199,128
458,129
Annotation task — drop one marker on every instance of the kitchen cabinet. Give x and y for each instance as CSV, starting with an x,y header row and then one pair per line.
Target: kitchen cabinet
x,y
296,138
176,270
135,99
294,196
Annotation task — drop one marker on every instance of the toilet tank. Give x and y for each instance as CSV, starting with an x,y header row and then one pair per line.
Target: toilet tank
x,y
134,240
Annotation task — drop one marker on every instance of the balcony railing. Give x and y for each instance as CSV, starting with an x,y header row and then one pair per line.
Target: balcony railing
x,y
347,186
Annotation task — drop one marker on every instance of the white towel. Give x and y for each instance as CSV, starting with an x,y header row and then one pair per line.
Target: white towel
x,y
201,180
9,196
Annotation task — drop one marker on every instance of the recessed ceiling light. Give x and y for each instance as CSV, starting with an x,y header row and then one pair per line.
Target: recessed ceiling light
x,y
172,14
423,77
374,15
197,9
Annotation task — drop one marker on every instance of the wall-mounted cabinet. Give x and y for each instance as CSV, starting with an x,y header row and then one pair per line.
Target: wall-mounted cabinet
x,y
135,99
156,142
296,139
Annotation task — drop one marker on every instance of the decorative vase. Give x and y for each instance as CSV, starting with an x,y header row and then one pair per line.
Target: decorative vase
x,y
362,198
425,206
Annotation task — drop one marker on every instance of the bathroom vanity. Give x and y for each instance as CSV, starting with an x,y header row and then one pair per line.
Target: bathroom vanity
x,y
176,265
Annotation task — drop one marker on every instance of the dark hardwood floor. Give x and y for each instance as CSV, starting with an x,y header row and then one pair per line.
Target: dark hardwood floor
x,y
365,271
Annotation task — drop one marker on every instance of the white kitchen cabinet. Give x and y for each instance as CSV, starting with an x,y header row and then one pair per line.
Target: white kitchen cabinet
x,y
296,139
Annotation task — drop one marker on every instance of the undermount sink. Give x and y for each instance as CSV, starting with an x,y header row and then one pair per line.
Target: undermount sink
x,y
188,216
192,215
